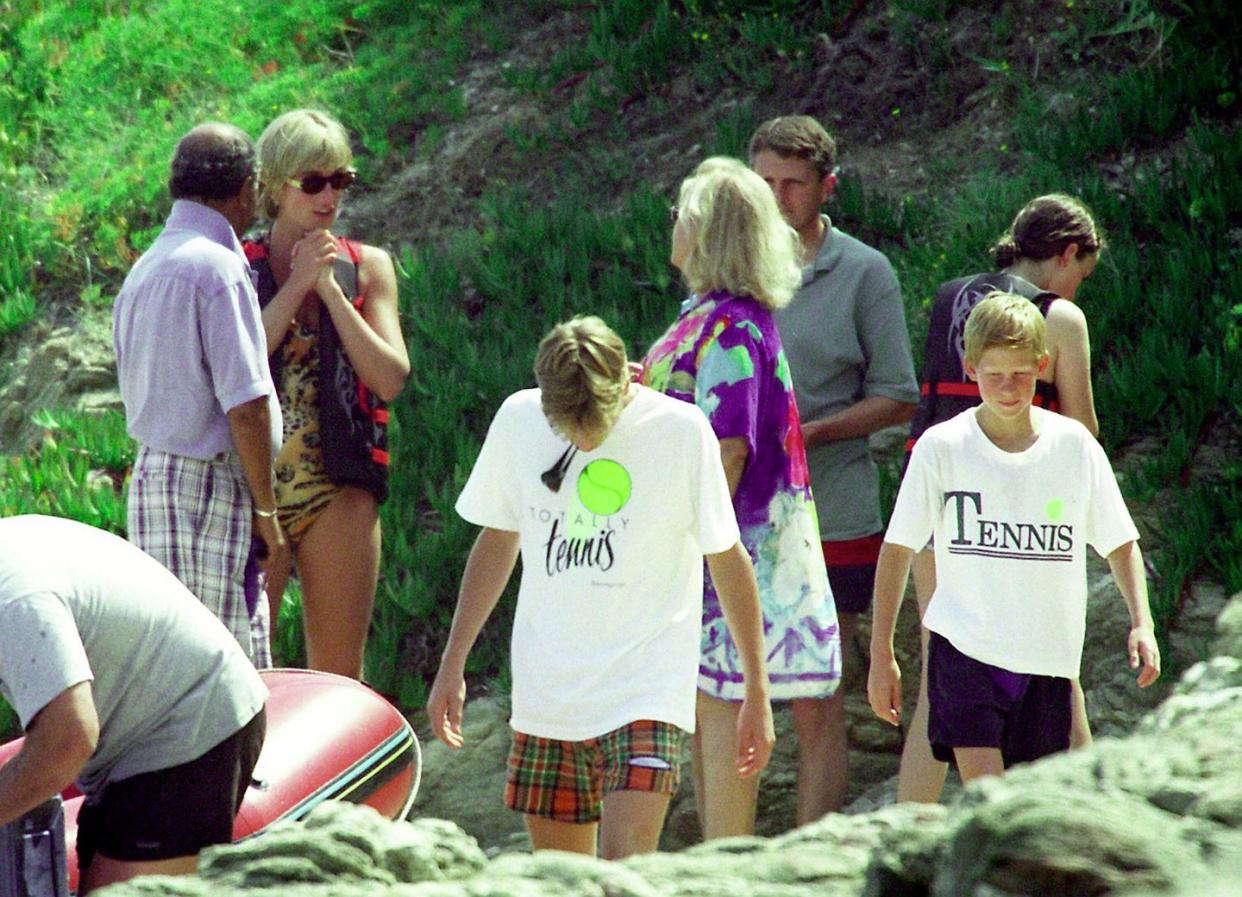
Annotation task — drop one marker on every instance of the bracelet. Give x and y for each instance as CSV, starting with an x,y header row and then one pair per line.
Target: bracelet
x,y
266,515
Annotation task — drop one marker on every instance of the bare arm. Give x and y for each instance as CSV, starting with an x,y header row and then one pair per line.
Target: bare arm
x,y
487,572
733,455
250,425
1070,370
884,681
1126,563
734,578
60,739
860,419
371,339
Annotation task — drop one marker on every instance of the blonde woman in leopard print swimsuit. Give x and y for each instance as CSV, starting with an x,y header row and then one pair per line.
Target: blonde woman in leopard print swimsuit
x,y
337,355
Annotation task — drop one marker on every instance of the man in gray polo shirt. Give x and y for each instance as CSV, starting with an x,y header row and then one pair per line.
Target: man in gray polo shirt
x,y
849,353
124,682
191,358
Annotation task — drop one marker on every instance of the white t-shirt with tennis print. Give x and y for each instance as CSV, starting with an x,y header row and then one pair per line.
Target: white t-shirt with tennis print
x,y
609,609
1011,531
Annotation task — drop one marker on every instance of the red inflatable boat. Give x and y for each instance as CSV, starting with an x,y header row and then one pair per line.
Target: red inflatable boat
x,y
328,738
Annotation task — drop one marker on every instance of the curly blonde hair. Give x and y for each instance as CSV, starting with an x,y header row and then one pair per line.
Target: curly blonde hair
x,y
581,368
736,236
296,142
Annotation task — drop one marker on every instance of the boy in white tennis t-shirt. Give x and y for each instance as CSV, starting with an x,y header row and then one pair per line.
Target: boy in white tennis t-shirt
x,y
1013,495
612,494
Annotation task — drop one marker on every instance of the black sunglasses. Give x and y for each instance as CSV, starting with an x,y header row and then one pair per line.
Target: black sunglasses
x,y
311,184
555,475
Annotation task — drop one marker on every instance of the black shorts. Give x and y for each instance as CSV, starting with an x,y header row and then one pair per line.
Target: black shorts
x,y
173,812
975,704
851,571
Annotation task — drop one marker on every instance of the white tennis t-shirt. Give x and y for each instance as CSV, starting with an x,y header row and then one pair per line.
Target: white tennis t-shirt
x,y
610,604
1011,530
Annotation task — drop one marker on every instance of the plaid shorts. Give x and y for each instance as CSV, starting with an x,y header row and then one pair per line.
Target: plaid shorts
x,y
567,780
194,517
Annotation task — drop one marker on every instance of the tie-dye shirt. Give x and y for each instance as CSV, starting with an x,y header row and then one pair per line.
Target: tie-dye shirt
x,y
723,354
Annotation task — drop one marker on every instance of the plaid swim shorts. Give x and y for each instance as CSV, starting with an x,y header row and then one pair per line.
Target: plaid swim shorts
x,y
567,780
194,517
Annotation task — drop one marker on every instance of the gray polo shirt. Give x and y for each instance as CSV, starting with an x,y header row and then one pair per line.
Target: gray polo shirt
x,y
845,338
189,337
78,604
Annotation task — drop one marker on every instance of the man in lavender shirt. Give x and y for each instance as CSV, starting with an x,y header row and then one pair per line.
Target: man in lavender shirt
x,y
192,364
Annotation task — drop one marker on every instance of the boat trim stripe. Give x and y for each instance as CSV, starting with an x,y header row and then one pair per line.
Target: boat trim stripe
x,y
396,747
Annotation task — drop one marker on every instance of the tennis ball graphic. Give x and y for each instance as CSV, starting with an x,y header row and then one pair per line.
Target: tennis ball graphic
x,y
604,487
1055,509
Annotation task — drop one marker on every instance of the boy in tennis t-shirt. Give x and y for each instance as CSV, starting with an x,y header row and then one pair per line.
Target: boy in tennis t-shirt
x,y
612,494
1012,495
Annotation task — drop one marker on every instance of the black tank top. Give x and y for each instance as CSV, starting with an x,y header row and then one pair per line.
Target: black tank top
x,y
945,390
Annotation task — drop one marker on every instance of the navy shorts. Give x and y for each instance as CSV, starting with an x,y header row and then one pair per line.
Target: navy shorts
x,y
173,812
851,571
975,704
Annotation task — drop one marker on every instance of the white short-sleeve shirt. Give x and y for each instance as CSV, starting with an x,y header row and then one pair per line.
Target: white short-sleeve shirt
x,y
1011,530
609,608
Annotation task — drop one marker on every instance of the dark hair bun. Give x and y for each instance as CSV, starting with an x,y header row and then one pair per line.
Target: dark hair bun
x,y
1006,252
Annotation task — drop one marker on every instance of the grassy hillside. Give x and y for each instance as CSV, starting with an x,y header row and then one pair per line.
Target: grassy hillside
x,y
950,115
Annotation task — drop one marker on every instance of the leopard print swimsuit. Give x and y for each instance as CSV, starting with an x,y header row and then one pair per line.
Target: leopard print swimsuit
x,y
303,489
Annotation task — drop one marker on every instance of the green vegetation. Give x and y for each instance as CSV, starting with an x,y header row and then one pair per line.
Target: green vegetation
x,y
76,472
1132,107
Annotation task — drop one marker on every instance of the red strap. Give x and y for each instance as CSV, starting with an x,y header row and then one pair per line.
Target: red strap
x,y
380,415
379,456
354,250
255,251
950,388
352,247
853,552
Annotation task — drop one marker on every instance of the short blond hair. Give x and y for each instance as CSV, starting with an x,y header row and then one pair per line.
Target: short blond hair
x,y
296,142
737,239
582,371
1005,321
796,136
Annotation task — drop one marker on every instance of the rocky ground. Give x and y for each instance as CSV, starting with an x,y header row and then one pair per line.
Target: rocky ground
x,y
1155,812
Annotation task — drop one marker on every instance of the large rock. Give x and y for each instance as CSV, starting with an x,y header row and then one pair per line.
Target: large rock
x,y
468,785
1031,841
71,367
342,842
340,849
1159,811
1229,629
